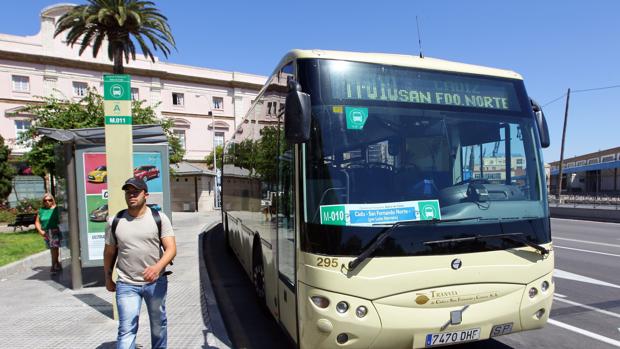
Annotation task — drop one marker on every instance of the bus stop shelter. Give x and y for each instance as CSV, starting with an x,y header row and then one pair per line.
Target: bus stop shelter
x,y
79,148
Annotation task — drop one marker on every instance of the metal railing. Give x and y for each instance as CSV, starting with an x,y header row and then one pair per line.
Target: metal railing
x,y
609,200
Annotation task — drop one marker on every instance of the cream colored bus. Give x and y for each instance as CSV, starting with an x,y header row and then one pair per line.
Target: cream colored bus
x,y
391,201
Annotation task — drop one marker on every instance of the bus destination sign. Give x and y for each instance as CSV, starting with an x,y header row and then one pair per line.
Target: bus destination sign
x,y
385,213
367,82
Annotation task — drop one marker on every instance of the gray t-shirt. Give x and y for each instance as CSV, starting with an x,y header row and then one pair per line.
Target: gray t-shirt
x,y
138,244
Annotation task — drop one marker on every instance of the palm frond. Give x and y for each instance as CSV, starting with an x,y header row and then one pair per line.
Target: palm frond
x,y
120,22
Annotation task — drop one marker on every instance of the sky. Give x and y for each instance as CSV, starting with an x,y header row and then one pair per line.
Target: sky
x,y
554,45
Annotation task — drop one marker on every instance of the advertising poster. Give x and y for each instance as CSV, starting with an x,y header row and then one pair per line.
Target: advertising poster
x,y
146,166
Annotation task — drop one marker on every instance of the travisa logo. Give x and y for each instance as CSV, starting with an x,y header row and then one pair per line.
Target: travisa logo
x,y
423,298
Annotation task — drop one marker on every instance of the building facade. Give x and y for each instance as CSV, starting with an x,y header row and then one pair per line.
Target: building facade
x,y
205,104
593,173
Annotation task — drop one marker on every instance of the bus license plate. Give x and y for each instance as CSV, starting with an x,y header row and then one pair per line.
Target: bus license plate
x,y
437,339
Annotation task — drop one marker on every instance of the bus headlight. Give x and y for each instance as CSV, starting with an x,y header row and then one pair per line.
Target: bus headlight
x,y
533,292
342,307
320,301
544,286
361,311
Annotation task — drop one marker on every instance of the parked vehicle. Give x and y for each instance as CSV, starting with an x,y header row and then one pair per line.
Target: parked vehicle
x,y
98,175
146,172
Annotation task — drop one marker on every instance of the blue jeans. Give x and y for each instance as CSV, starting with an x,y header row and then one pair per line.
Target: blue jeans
x,y
129,300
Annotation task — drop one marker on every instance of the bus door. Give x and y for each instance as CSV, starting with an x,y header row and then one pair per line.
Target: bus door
x,y
287,302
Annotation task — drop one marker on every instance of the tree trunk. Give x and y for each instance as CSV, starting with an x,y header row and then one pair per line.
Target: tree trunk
x,y
52,184
118,62
45,184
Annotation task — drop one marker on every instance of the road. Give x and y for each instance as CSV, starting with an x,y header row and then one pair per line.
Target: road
x,y
585,314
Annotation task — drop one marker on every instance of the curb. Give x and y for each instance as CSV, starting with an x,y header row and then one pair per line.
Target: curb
x,y
26,264
585,214
221,340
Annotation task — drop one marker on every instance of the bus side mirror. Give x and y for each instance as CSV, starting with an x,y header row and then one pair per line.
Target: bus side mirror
x,y
543,129
296,114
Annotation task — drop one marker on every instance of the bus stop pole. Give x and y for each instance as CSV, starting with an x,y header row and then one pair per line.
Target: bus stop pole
x,y
74,235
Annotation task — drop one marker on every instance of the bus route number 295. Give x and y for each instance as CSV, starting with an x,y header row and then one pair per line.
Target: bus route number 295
x,y
326,262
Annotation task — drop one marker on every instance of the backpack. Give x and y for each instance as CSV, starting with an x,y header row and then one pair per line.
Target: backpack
x,y
157,218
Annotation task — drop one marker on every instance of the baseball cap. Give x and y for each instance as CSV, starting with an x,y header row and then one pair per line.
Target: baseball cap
x,y
136,183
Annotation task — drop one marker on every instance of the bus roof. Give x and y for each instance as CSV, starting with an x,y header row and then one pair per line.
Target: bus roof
x,y
400,60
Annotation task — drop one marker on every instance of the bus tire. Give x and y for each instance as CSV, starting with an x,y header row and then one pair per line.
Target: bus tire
x,y
258,271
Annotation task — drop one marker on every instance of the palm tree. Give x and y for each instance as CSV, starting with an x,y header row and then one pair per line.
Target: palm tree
x,y
121,22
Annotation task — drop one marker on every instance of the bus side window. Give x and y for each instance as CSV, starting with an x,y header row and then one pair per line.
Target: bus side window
x,y
286,190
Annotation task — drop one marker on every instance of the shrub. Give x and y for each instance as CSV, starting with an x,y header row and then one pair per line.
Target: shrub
x,y
28,205
8,215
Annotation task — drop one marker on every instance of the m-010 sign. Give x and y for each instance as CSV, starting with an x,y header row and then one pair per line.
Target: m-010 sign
x,y
384,213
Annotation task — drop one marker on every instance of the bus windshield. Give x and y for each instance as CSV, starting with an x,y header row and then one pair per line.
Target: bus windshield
x,y
396,144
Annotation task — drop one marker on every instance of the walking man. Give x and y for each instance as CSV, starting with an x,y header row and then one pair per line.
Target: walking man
x,y
135,240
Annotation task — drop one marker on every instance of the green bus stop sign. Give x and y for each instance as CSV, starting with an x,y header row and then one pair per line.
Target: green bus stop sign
x,y
117,87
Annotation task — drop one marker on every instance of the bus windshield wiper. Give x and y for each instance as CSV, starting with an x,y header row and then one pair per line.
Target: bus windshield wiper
x,y
516,237
383,235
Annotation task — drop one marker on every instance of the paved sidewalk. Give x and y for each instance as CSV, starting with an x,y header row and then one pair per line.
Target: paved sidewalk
x,y
39,310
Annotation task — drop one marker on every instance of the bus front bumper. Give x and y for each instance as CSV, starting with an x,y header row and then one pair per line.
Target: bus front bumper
x,y
423,318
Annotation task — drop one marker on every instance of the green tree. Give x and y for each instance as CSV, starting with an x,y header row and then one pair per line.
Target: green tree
x,y
123,23
244,155
88,112
266,152
6,171
219,150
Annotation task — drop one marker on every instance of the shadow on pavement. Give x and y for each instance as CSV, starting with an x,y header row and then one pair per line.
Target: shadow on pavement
x,y
488,344
249,326
97,303
208,303
91,277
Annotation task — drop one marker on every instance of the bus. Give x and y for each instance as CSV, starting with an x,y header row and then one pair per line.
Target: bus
x,y
391,201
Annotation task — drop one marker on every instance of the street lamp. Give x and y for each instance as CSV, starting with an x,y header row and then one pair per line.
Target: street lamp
x,y
215,187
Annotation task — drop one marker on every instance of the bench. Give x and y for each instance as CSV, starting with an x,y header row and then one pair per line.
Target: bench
x,y
23,220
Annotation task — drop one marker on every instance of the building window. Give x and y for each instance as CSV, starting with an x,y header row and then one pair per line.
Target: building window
x,y
608,158
80,89
593,161
218,103
135,94
180,134
218,140
21,126
21,83
177,99
580,163
272,108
